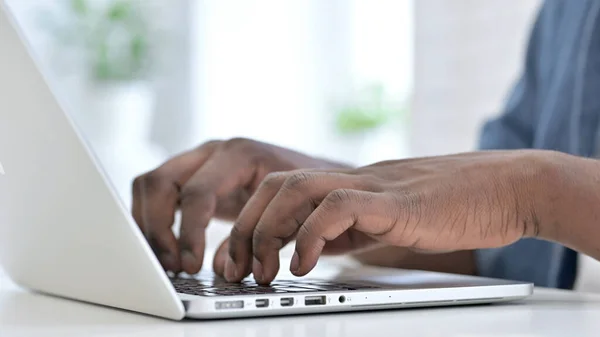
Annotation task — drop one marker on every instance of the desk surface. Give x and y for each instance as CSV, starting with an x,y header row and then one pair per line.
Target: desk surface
x,y
547,313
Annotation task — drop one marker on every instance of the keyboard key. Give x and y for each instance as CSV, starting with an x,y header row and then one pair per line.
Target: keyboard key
x,y
215,286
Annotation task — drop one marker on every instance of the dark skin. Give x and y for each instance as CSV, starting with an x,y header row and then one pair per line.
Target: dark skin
x,y
214,180
423,213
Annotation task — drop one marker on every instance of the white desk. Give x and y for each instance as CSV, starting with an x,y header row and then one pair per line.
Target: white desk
x,y
547,313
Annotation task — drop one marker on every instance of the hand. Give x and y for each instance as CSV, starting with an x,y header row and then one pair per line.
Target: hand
x,y
213,180
448,203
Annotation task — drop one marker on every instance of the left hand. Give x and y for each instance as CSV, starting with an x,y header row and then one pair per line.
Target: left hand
x,y
457,202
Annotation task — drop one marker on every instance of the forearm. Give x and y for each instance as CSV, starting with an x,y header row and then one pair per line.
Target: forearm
x,y
460,262
570,204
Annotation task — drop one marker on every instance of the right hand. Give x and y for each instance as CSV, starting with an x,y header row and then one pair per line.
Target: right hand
x,y
214,180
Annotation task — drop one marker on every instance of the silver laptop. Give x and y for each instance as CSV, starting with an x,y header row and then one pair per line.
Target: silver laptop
x,y
64,232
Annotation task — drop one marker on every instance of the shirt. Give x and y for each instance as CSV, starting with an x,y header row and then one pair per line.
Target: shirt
x,y
554,105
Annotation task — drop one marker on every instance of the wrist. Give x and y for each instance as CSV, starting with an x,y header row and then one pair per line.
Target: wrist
x,y
568,204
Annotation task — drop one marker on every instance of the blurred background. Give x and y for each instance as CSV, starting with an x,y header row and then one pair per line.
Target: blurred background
x,y
353,80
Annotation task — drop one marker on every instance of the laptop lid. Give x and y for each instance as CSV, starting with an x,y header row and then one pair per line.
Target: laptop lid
x,y
63,230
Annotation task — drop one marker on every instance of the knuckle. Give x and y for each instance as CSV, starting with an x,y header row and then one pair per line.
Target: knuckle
x,y
367,199
149,181
273,180
191,194
303,233
237,243
237,233
209,146
137,184
372,183
339,196
263,241
297,180
210,143
258,241
237,142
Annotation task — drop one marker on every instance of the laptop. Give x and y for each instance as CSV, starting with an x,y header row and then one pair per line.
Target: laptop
x,y
65,232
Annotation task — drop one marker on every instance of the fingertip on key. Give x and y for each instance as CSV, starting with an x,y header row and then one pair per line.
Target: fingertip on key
x,y
169,262
295,264
189,263
231,273
219,264
257,271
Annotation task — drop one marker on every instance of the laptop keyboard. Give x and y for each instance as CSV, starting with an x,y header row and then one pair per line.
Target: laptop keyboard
x,y
209,285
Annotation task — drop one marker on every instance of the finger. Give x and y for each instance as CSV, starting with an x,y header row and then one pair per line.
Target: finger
x,y
341,210
155,198
293,203
136,206
240,241
171,174
220,258
218,177
156,223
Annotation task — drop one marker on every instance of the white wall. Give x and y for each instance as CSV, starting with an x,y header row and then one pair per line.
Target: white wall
x,y
270,70
467,55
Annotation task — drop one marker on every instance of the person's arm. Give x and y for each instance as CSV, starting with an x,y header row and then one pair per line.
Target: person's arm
x,y
479,200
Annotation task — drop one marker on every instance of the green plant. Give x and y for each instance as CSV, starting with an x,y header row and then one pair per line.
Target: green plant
x,y
113,36
369,110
